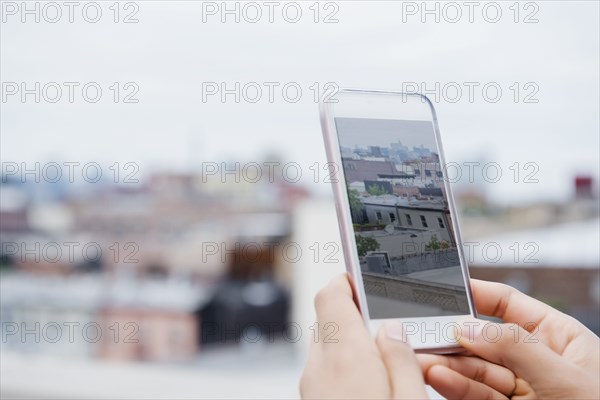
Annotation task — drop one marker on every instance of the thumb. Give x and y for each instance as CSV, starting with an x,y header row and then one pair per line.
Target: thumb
x,y
403,369
513,347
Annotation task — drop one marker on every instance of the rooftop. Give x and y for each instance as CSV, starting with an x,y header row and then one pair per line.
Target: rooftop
x,y
570,245
391,200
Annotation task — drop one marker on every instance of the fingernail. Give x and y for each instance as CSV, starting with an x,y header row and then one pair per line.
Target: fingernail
x,y
393,330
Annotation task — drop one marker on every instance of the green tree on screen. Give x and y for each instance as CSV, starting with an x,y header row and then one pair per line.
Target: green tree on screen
x,y
376,190
433,243
365,244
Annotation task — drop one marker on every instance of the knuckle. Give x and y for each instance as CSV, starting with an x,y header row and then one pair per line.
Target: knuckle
x,y
480,373
508,293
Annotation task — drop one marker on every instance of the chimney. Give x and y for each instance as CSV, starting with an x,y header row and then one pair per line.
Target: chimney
x,y
583,187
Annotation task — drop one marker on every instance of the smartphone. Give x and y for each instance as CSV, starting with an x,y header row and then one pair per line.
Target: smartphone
x,y
396,214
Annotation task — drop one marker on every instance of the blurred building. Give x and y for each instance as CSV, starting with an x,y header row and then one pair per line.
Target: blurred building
x,y
138,263
92,315
558,265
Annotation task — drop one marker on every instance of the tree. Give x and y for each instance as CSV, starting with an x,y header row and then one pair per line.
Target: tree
x,y
365,244
356,206
376,190
433,243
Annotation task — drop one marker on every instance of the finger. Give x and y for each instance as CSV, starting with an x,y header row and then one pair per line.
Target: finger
x,y
399,358
337,315
453,385
510,345
510,305
505,302
476,369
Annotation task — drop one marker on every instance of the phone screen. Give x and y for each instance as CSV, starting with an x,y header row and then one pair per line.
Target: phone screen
x,y
405,242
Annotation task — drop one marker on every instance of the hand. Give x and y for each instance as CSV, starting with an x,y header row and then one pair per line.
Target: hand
x,y
539,353
353,365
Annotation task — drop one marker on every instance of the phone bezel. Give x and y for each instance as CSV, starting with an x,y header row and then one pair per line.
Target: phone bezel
x,y
421,341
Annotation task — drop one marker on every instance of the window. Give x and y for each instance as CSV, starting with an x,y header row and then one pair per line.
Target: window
x,y
423,221
378,216
440,222
408,219
392,218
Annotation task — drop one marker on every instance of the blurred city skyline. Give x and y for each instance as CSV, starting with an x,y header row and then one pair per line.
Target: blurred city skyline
x,y
177,124
163,179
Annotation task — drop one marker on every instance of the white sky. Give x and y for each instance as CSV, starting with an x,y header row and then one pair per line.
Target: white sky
x,y
364,132
171,52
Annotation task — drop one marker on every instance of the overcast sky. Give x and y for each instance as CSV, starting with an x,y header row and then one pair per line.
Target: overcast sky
x,y
171,52
364,132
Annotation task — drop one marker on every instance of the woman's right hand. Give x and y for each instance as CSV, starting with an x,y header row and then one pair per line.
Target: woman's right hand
x,y
545,353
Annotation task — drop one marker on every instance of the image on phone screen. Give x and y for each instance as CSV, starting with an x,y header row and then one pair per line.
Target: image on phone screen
x,y
405,242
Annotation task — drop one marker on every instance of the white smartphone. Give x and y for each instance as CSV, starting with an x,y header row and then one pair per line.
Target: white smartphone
x,y
398,225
